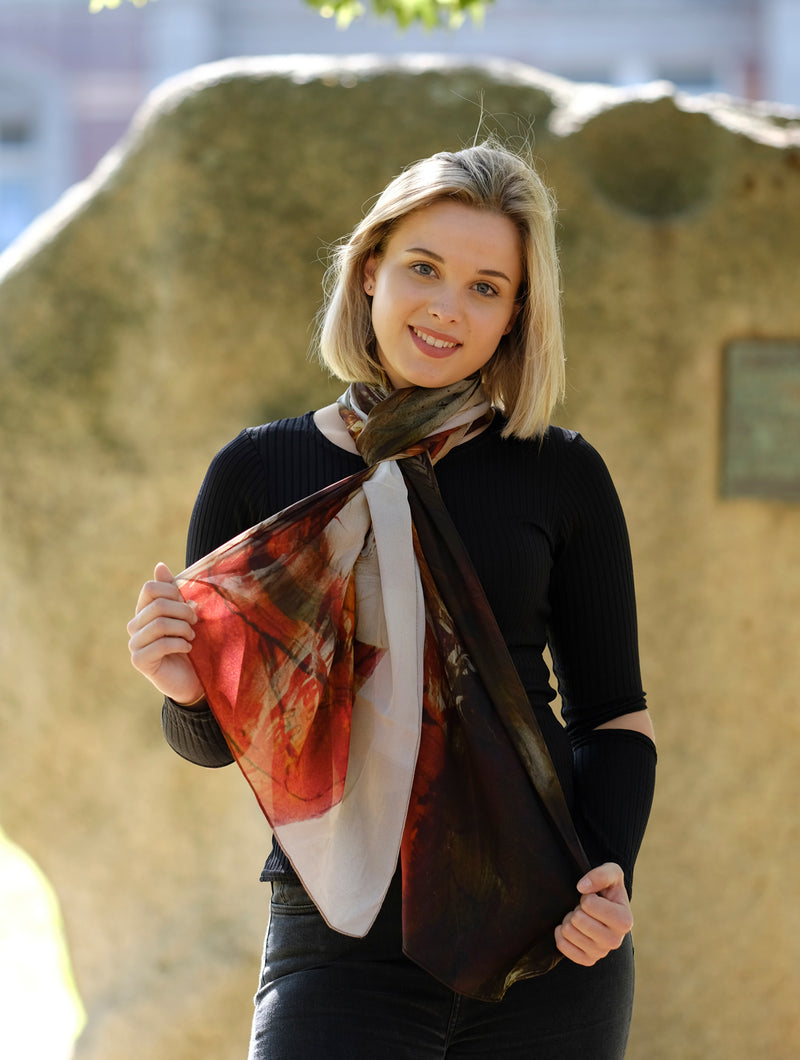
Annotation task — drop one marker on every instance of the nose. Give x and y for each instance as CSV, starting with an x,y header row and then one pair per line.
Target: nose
x,y
444,306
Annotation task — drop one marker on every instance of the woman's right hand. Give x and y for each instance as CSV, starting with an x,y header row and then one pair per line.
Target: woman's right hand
x,y
161,636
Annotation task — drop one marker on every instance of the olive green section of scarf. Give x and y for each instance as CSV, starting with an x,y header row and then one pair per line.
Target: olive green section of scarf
x,y
399,419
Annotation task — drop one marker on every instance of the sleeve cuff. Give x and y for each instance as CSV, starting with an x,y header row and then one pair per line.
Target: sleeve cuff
x,y
193,732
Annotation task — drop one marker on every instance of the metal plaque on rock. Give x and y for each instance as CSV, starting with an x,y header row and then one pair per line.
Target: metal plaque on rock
x,y
761,443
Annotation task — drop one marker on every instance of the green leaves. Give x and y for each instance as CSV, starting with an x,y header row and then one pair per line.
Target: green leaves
x,y
98,5
432,14
344,11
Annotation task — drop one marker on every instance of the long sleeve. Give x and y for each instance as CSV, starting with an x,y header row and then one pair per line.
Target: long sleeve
x,y
595,648
614,776
592,628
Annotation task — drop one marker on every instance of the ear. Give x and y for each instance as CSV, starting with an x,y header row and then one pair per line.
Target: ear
x,y
513,318
370,269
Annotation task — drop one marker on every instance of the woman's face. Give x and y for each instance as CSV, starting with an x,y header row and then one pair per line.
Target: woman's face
x,y
444,293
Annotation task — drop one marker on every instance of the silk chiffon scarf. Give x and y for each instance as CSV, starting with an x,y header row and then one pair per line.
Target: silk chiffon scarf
x,y
349,655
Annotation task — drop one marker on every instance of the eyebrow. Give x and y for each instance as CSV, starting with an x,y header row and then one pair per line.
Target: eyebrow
x,y
437,257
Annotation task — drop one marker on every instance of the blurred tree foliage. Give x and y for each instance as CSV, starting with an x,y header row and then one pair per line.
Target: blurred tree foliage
x,y
430,13
98,5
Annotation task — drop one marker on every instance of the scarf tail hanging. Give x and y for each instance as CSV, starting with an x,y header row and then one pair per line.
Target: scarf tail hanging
x,y
487,877
457,582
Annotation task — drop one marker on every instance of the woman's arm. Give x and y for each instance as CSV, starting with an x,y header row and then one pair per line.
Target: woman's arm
x,y
614,780
640,721
614,777
229,501
594,644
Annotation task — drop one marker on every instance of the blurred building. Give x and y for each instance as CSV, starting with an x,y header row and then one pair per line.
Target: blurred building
x,y
70,81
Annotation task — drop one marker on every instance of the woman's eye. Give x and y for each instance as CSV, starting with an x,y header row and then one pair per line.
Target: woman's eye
x,y
485,288
422,268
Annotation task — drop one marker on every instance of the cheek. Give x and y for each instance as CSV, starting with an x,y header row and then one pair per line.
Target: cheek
x,y
498,324
503,321
392,304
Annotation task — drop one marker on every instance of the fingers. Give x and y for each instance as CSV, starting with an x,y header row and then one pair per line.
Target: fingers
x,y
161,613
602,878
160,596
162,573
601,920
580,949
161,587
161,621
615,916
162,628
586,940
161,634
149,660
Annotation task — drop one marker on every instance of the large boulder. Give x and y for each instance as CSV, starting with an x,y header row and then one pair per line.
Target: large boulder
x,y
170,300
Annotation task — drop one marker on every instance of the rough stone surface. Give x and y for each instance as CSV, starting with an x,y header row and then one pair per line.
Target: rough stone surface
x,y
168,302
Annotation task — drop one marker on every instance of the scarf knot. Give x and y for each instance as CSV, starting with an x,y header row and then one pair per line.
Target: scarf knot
x,y
395,424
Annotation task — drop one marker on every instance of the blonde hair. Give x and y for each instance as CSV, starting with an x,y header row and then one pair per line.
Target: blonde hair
x,y
525,377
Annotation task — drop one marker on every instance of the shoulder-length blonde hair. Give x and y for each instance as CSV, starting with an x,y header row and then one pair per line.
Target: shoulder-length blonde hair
x,y
525,377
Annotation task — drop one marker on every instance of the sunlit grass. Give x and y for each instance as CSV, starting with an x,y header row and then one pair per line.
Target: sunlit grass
x,y
41,1014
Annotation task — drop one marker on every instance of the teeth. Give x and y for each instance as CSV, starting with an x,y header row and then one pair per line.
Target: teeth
x,y
440,344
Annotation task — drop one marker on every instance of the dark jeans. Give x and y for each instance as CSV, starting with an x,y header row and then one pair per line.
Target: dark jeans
x,y
325,996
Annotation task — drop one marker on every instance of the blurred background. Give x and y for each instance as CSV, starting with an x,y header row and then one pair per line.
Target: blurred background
x,y
659,300
71,80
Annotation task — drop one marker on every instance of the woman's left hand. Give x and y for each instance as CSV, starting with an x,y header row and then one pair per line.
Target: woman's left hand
x,y
602,919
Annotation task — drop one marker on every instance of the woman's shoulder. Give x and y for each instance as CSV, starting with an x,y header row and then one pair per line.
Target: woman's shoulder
x,y
282,430
561,468
557,447
570,446
273,438
246,452
581,477
300,439
267,467
580,469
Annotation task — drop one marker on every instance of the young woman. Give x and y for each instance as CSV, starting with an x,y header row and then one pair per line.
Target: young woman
x,y
403,749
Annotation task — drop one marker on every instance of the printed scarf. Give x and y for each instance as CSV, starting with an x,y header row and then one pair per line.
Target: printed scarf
x,y
352,661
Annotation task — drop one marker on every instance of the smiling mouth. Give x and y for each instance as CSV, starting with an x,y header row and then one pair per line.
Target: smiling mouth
x,y
432,341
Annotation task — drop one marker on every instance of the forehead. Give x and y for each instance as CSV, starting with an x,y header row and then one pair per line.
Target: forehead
x,y
479,238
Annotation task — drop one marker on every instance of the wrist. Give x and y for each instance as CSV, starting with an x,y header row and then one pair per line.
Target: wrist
x,y
195,704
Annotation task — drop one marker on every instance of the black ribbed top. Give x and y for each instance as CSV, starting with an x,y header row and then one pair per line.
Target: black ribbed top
x,y
544,529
